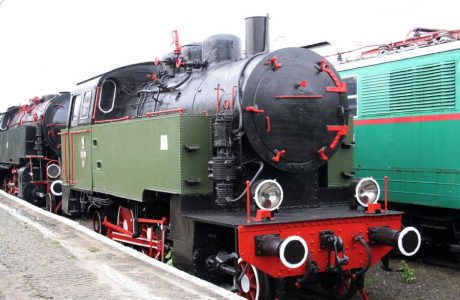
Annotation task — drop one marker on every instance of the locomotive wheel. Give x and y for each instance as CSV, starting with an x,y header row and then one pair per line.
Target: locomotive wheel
x,y
253,284
98,218
11,187
125,218
347,287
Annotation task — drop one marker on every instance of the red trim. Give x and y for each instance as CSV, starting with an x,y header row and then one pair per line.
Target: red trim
x,y
56,124
374,208
154,245
412,119
300,97
248,202
163,221
112,120
278,155
363,293
274,62
340,86
345,227
421,37
179,63
269,128
153,77
322,154
96,100
218,89
58,207
385,191
177,47
342,130
263,215
254,110
64,167
152,113
115,227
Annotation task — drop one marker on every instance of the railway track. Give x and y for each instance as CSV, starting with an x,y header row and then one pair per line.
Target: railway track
x,y
445,260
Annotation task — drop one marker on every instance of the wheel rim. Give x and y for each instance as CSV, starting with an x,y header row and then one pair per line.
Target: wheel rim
x,y
125,218
345,285
97,223
248,285
346,288
12,187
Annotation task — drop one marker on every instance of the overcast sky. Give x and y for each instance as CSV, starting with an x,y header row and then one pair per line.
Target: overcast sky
x,y
47,46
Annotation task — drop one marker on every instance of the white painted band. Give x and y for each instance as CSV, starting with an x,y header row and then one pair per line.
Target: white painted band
x,y
283,250
401,237
53,186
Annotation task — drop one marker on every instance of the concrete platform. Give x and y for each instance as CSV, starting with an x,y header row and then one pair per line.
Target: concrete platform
x,y
46,256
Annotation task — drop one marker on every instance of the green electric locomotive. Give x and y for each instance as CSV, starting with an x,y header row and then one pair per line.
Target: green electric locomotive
x,y
407,123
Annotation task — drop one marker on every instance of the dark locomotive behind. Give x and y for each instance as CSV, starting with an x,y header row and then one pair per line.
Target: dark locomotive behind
x,y
236,168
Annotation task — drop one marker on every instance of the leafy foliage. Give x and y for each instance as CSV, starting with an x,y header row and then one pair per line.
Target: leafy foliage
x,y
408,273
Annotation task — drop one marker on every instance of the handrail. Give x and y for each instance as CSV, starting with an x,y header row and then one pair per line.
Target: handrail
x,y
152,113
64,134
112,120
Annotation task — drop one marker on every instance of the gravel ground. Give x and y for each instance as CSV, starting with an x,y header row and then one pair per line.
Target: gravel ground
x,y
431,282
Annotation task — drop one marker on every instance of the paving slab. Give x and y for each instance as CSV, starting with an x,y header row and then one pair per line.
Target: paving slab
x,y
45,256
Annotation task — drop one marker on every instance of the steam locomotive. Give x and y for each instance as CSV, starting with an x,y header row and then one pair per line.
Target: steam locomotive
x,y
238,169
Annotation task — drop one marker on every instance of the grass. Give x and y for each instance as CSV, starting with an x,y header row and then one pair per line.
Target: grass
x,y
408,273
93,249
55,244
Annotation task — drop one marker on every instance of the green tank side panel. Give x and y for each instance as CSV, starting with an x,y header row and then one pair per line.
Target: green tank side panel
x,y
149,154
82,173
421,160
342,163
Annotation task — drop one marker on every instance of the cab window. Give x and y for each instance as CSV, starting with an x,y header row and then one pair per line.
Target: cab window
x,y
75,109
107,100
85,106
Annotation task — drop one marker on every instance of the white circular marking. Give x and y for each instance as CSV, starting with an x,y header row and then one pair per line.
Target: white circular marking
x,y
400,240
53,166
53,186
283,249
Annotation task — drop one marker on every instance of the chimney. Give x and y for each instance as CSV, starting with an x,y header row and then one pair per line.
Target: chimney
x,y
257,38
